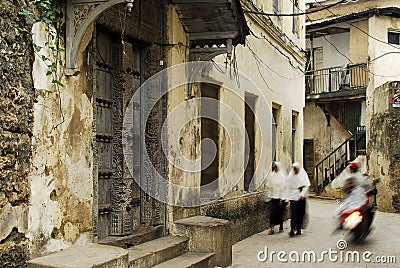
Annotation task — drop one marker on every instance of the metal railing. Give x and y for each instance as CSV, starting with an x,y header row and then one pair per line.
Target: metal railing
x,y
349,77
332,165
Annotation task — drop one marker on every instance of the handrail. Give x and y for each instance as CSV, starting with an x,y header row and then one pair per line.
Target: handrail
x,y
343,67
334,151
333,79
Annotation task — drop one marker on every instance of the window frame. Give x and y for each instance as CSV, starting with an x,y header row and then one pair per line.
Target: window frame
x,y
394,32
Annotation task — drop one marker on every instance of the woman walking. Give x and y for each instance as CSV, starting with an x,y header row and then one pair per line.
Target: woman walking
x,y
297,187
276,187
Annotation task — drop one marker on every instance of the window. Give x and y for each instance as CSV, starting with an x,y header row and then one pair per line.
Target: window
x,y
295,18
294,126
276,6
276,122
394,37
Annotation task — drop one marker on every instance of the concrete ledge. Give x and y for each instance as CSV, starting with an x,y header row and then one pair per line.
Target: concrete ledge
x,y
157,251
248,214
207,235
84,256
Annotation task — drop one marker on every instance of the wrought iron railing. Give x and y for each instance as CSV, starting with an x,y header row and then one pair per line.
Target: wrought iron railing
x,y
333,164
349,77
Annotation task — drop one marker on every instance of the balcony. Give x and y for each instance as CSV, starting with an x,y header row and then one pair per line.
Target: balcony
x,y
337,82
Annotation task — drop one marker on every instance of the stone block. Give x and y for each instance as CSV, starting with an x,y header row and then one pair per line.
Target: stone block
x,y
206,235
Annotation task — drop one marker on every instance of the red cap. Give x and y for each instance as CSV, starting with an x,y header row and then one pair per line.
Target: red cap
x,y
354,164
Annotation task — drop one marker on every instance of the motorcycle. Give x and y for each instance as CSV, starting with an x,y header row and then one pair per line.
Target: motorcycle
x,y
358,221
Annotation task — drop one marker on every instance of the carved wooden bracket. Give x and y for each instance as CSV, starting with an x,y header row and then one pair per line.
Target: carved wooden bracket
x,y
202,54
79,15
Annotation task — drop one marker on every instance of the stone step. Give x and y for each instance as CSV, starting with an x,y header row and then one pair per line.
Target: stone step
x,y
83,256
189,260
157,251
139,236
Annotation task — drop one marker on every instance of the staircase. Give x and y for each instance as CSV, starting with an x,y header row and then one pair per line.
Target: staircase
x,y
333,164
169,251
201,242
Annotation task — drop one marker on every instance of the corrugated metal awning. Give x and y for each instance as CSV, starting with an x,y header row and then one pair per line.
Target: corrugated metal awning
x,y
212,22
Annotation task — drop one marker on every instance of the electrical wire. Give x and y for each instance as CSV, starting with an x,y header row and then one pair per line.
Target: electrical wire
x,y
364,68
295,14
277,29
358,28
277,49
262,76
268,67
385,54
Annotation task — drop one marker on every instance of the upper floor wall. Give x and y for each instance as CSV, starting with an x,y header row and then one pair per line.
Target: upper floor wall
x,y
289,27
363,32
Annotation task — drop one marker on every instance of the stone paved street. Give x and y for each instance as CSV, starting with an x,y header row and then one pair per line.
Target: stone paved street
x,y
384,241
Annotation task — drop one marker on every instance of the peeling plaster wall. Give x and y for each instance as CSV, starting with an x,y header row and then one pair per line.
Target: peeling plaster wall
x,y
281,84
60,212
384,147
359,42
326,138
16,104
386,68
183,138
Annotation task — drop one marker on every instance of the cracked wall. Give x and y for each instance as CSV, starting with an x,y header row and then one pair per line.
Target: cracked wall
x,y
384,147
17,98
60,212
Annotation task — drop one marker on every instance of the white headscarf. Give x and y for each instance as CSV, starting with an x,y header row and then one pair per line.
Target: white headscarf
x,y
300,179
276,182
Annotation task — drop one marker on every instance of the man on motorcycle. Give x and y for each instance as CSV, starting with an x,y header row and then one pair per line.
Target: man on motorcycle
x,y
361,179
355,197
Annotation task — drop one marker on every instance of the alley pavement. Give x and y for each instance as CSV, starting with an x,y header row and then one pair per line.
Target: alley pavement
x,y
318,247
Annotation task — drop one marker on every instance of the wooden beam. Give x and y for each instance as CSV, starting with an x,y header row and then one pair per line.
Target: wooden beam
x,y
213,35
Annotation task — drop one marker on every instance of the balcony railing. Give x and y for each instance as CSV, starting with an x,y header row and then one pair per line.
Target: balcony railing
x,y
350,77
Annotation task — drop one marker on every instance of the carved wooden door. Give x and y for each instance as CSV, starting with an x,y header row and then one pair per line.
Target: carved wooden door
x,y
122,206
115,190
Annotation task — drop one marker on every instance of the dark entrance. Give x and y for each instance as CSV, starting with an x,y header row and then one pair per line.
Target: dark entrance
x,y
309,159
250,102
209,134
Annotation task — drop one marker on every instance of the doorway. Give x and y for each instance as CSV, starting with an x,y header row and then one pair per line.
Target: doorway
x,y
209,135
250,102
309,159
120,205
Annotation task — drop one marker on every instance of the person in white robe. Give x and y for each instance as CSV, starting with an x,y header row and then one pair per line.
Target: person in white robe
x,y
276,187
298,184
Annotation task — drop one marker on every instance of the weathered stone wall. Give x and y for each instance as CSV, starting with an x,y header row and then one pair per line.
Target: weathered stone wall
x,y
17,97
384,147
62,185
248,214
326,137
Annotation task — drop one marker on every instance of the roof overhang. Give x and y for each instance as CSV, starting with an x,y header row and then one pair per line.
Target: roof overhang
x,y
338,96
333,22
212,22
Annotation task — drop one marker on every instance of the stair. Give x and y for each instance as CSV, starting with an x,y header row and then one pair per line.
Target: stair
x,y
83,256
157,251
201,242
189,260
142,235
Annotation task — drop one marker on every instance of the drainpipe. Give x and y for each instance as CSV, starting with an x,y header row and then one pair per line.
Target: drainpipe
x,y
312,51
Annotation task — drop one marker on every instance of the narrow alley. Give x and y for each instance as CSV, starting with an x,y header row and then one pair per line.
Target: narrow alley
x,y
382,243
